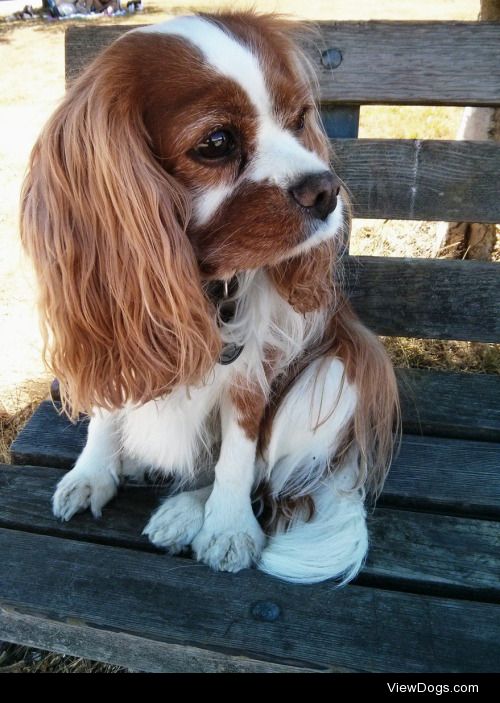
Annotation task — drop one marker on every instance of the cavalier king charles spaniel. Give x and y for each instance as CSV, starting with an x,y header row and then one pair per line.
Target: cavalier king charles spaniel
x,y
186,227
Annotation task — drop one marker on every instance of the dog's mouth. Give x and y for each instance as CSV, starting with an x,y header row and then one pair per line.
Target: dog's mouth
x,y
319,231
258,227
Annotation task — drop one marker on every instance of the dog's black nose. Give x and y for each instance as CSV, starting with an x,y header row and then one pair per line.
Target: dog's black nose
x,y
317,192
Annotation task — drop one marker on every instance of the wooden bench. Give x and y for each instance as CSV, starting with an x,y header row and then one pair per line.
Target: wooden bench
x,y
427,599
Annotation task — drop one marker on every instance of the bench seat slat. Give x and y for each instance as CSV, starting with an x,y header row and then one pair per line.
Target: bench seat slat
x,y
434,403
49,439
406,179
167,600
410,549
130,651
447,404
447,475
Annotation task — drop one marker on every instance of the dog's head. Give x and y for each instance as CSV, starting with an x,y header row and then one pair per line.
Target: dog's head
x,y
188,151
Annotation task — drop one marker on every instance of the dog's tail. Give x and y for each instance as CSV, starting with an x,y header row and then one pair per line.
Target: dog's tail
x,y
332,544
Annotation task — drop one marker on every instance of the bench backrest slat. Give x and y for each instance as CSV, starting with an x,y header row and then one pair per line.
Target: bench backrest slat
x,y
403,63
411,63
421,180
427,298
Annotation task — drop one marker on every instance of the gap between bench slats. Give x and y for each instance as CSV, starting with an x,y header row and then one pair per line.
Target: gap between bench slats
x,y
441,63
411,551
171,601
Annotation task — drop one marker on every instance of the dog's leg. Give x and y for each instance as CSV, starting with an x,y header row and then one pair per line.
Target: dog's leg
x,y
231,538
96,475
218,520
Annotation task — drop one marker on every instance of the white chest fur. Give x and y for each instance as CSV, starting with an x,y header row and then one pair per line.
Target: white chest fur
x,y
176,433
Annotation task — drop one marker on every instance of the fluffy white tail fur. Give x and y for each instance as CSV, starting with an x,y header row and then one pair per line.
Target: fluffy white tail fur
x,y
332,545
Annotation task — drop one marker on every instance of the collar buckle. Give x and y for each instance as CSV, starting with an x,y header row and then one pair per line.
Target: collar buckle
x,y
222,293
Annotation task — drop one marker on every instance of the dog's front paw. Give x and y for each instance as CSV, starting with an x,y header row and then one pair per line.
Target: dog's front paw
x,y
81,489
177,522
229,549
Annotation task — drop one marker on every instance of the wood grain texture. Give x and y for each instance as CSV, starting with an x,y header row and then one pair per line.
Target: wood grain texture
x,y
414,63
414,551
427,298
160,598
130,651
436,554
446,404
421,180
447,475
49,438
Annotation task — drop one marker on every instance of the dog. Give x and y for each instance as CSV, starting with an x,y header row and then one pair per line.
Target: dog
x,y
186,227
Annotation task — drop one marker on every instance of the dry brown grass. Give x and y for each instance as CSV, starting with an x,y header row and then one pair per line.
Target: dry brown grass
x,y
15,414
18,660
468,357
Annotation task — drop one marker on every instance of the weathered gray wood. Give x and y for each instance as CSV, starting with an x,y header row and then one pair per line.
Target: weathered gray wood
x,y
419,63
437,554
421,180
446,404
130,651
428,298
49,438
26,504
414,551
164,599
416,63
448,475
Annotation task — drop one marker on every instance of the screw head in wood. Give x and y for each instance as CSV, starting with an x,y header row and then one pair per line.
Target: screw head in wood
x,y
266,611
331,58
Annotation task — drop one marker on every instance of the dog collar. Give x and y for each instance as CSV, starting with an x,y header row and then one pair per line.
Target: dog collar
x,y
221,293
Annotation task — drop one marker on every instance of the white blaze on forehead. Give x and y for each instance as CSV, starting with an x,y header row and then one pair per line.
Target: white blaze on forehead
x,y
279,158
223,52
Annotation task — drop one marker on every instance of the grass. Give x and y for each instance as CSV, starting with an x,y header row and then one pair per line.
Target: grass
x,y
18,660
14,416
31,87
466,357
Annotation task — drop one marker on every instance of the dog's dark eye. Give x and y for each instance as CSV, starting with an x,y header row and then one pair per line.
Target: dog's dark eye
x,y
217,145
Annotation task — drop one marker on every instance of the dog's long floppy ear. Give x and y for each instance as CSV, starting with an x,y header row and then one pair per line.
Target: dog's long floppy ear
x,y
123,311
